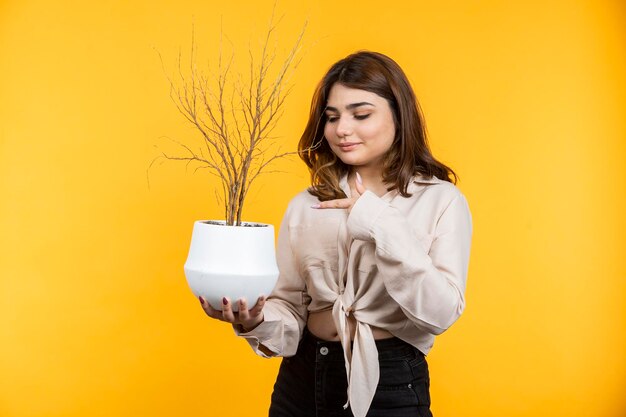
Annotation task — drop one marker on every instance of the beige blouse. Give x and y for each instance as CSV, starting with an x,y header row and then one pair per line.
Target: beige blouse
x,y
396,263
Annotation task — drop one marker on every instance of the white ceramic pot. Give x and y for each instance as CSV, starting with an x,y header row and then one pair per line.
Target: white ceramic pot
x,y
231,261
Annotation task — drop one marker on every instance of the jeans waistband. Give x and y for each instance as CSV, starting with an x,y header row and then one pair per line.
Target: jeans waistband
x,y
391,348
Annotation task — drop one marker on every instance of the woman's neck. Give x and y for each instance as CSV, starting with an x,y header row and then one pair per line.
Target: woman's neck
x,y
372,180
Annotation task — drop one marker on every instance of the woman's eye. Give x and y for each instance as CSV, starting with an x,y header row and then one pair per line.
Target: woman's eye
x,y
332,119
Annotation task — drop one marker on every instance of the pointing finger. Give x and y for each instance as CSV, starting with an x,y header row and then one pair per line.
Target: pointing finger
x,y
334,204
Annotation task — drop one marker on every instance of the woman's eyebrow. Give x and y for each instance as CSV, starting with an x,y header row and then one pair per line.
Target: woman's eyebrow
x,y
350,106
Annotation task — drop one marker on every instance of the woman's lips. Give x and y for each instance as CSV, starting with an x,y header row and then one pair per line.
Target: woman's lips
x,y
348,146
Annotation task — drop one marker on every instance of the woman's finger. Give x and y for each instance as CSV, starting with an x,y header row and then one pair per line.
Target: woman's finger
x,y
258,307
341,203
360,188
227,311
210,311
243,310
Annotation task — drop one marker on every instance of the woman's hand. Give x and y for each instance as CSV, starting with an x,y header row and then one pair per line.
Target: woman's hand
x,y
248,319
345,203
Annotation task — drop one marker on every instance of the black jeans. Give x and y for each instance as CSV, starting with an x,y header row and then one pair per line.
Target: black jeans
x,y
313,382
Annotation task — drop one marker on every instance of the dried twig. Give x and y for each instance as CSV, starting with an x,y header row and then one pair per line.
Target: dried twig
x,y
235,118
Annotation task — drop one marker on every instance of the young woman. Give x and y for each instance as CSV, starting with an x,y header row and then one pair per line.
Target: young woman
x,y
373,257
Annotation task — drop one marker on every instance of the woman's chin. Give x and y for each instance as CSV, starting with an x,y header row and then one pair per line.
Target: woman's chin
x,y
352,160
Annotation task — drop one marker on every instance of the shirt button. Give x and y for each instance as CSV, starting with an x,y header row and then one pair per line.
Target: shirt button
x,y
324,350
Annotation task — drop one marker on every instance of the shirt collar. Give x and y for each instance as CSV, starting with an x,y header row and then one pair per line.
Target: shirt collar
x,y
421,179
418,179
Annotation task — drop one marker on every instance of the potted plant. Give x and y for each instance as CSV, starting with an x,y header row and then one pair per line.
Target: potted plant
x,y
234,118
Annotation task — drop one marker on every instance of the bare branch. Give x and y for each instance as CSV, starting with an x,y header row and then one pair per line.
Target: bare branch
x,y
234,116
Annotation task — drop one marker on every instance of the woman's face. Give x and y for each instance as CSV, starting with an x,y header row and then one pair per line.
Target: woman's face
x,y
360,128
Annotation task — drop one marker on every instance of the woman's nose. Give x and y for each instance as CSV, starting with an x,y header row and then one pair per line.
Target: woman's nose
x,y
344,127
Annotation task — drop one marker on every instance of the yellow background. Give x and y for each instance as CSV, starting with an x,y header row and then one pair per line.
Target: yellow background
x,y
525,100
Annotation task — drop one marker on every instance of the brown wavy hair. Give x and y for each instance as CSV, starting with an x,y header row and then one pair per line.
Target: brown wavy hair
x,y
409,154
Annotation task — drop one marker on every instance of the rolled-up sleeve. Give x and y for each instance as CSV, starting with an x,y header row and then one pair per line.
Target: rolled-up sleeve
x,y
285,311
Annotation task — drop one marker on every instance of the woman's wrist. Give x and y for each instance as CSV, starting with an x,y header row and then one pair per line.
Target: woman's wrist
x,y
250,327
